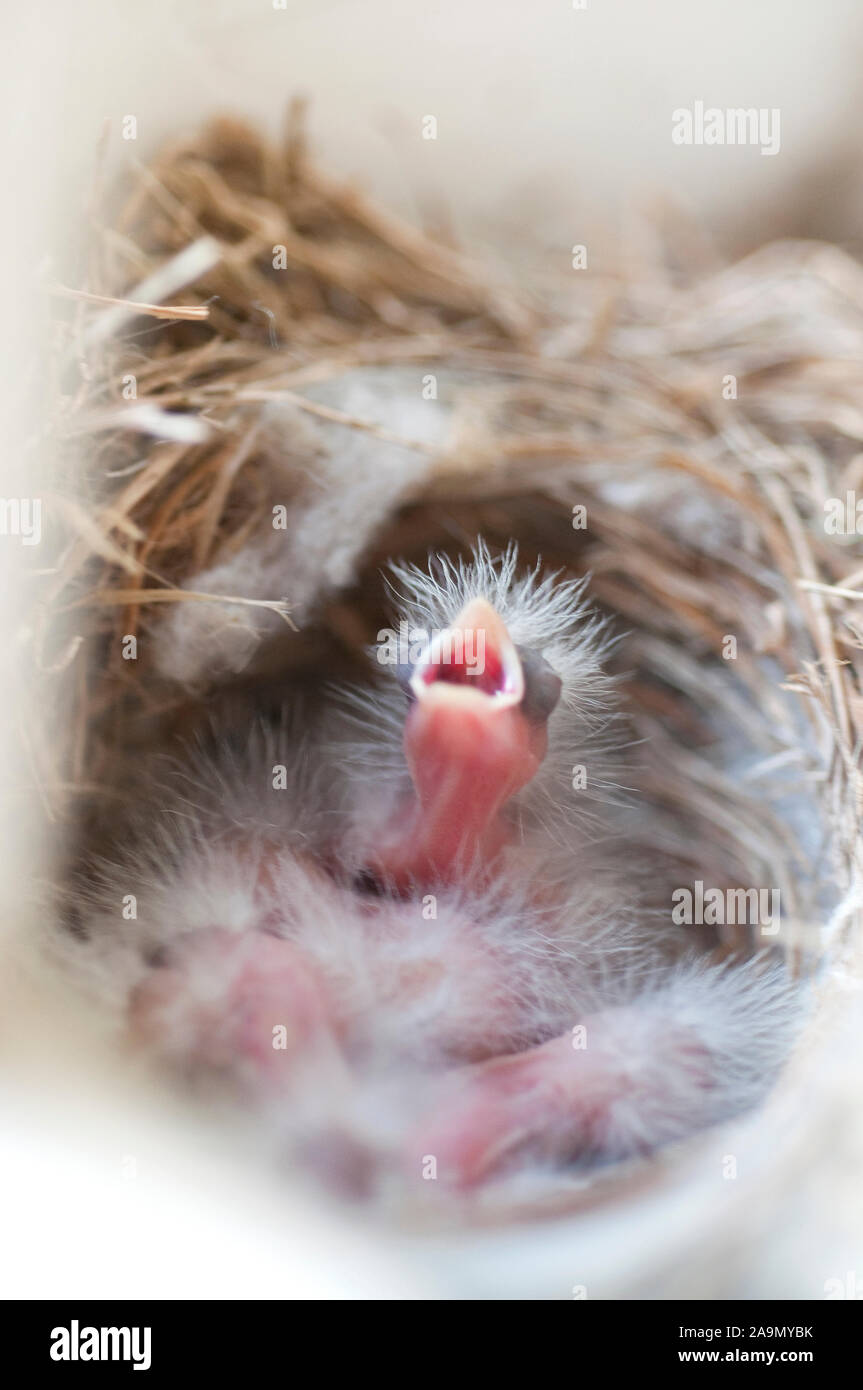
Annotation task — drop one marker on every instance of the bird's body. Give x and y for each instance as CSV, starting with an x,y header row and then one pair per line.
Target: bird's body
x,y
397,922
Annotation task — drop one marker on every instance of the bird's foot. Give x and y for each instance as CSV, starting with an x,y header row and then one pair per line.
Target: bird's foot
x,y
246,1004
569,1097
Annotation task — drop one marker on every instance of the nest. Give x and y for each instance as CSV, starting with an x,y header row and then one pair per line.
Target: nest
x,y
677,428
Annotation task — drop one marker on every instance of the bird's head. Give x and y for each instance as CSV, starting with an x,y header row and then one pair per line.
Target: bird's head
x,y
475,730
484,660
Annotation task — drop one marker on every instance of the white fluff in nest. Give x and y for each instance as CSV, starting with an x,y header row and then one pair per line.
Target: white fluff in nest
x,y
337,485
388,920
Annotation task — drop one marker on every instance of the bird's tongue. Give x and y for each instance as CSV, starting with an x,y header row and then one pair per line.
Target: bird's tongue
x,y
469,747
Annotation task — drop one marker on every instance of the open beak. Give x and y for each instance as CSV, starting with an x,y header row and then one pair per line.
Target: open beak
x,y
474,657
472,739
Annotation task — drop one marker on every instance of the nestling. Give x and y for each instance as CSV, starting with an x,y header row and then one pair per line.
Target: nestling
x,y
390,922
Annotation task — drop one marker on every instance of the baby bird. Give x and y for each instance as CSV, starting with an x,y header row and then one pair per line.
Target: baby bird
x,y
399,926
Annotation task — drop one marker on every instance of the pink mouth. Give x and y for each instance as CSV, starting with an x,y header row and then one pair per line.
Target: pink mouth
x,y
469,747
476,653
